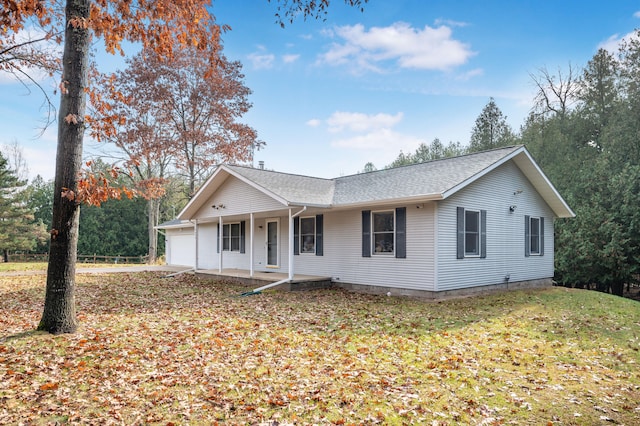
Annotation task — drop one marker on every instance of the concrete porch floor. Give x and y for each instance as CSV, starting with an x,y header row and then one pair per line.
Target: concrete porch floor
x,y
260,278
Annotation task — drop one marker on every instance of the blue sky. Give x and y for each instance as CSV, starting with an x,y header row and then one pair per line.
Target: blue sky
x,y
331,95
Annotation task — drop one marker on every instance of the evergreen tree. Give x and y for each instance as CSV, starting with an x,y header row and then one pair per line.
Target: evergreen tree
x,y
491,129
426,152
17,228
39,199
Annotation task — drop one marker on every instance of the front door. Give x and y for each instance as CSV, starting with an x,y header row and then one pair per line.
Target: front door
x,y
272,243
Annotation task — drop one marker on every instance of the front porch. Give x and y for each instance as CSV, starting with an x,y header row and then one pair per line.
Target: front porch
x,y
258,279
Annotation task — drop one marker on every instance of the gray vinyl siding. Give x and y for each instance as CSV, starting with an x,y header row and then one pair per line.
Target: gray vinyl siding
x,y
237,198
260,245
343,261
494,192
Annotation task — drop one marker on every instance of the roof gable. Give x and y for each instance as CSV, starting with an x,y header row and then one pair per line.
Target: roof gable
x,y
433,180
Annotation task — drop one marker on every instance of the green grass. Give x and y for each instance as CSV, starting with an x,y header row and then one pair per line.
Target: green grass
x,y
187,350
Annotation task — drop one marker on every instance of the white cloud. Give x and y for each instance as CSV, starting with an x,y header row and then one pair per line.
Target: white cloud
x,y
387,142
637,14
261,61
314,122
371,134
49,47
288,59
359,122
41,161
427,48
470,74
450,23
612,44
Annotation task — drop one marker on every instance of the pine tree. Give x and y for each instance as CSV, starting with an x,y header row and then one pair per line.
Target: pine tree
x,y
17,228
491,129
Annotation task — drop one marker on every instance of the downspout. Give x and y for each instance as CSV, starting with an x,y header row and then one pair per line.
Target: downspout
x,y
291,257
220,232
195,231
290,278
251,226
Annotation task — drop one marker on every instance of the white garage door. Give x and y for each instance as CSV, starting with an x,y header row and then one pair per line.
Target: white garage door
x,y
181,250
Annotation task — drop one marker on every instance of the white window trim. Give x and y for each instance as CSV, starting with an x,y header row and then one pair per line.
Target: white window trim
x,y
373,234
531,252
230,237
301,235
479,247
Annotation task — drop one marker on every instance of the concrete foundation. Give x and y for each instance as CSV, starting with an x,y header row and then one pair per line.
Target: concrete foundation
x,y
448,294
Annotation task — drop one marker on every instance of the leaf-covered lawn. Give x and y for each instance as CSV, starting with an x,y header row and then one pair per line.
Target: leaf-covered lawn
x,y
42,266
184,350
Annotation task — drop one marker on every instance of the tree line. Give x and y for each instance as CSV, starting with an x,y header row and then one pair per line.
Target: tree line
x,y
584,132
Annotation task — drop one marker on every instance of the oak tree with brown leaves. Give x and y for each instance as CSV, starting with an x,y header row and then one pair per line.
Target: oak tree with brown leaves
x,y
157,25
181,112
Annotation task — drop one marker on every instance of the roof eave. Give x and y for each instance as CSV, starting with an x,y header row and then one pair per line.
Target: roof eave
x,y
175,226
205,192
532,171
544,187
423,198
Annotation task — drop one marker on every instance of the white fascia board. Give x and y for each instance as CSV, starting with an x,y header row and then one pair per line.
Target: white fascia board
x,y
187,212
390,201
470,180
186,224
544,186
208,189
258,187
535,175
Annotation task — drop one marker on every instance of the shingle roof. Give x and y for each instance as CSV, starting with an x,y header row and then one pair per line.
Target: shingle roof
x,y
295,189
433,180
424,179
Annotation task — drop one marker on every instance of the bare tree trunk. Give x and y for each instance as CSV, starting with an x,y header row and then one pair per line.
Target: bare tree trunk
x,y
59,315
153,205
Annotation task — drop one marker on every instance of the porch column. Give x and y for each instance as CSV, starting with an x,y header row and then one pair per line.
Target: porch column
x,y
220,232
195,230
291,259
251,226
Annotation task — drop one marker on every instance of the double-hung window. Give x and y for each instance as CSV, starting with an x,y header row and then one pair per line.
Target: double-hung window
x,y
385,233
383,230
471,231
231,237
533,236
307,235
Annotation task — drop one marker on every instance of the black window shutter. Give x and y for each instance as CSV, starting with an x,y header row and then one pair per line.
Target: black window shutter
x,y
527,237
242,236
542,236
401,232
483,233
296,235
218,239
366,233
319,230
460,228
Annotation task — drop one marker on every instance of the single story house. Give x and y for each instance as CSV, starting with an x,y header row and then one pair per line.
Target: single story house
x,y
477,221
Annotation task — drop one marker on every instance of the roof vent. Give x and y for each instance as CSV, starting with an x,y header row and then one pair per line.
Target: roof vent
x,y
261,165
